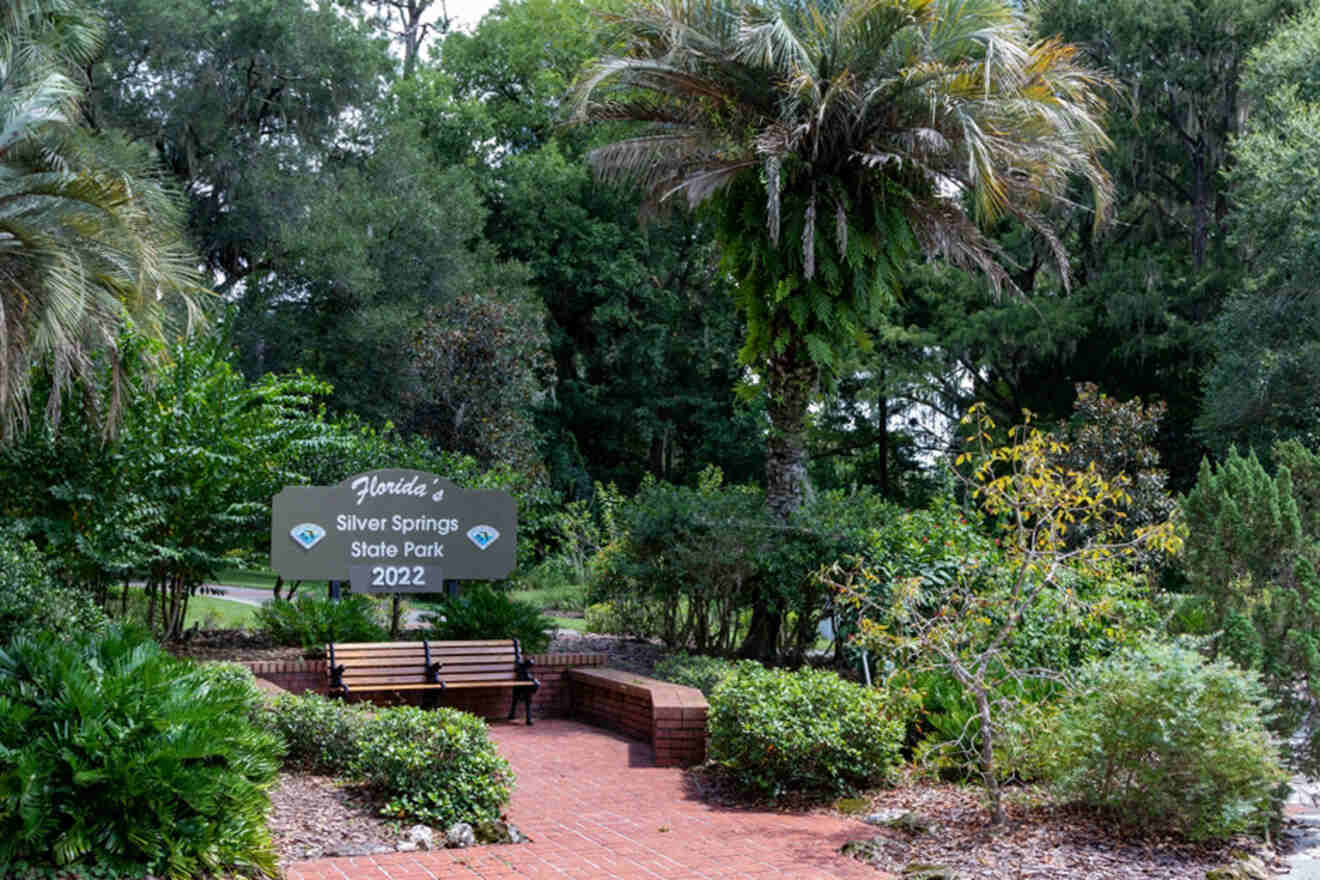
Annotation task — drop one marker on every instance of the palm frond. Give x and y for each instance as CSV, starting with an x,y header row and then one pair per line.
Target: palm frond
x,y
945,111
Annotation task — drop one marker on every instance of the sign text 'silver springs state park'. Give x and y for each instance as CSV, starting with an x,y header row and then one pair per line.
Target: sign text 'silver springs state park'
x,y
393,531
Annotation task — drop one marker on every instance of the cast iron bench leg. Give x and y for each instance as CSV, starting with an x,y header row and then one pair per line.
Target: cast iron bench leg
x,y
523,695
524,667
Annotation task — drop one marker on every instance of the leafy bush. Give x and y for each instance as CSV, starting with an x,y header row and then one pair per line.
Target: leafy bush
x,y
437,767
945,728
311,623
690,565
566,597
623,617
1252,551
1163,738
481,613
320,734
114,754
810,731
695,670
31,601
236,677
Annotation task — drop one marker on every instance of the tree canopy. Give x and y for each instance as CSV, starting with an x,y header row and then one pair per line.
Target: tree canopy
x,y
836,143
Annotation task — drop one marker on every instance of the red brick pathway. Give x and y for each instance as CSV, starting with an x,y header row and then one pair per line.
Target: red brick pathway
x,y
597,808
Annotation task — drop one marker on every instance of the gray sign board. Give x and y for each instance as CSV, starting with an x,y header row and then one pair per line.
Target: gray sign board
x,y
393,531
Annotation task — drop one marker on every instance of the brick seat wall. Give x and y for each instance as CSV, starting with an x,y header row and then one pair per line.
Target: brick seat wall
x,y
671,717
552,700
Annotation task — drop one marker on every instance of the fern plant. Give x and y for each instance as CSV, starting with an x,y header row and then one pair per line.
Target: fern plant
x,y
114,754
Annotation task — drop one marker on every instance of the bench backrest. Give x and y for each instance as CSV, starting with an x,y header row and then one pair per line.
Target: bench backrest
x,y
380,665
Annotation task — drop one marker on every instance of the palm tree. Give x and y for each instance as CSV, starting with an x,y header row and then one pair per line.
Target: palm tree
x,y
835,141
90,241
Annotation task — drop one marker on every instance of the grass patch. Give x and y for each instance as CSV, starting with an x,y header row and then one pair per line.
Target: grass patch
x,y
262,579
577,624
566,597
216,613
211,612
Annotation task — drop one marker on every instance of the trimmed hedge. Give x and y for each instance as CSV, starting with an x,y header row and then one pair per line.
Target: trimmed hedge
x,y
808,731
436,766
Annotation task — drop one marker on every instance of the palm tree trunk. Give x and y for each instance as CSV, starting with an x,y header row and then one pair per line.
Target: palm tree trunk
x,y
790,380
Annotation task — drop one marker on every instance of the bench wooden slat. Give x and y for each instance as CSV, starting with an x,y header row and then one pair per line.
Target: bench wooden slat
x,y
386,645
410,649
361,667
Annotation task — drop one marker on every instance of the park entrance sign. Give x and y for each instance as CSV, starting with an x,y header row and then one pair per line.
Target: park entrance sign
x,y
393,531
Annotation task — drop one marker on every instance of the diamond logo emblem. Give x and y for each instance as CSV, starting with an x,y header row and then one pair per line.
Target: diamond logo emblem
x,y
307,535
483,536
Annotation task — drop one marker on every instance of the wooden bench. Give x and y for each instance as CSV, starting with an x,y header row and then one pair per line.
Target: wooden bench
x,y
359,667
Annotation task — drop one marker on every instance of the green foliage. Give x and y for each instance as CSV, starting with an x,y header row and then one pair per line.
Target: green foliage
x,y
311,623
32,602
1118,439
1166,740
552,584
965,616
816,228
945,728
482,613
481,361
321,735
1253,552
809,731
95,240
233,677
695,670
435,766
601,617
643,332
691,565
1150,296
118,755
185,482
1258,390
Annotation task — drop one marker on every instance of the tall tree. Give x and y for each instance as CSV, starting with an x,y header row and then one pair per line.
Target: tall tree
x,y
1262,385
643,333
409,22
321,216
1155,288
90,239
241,101
836,141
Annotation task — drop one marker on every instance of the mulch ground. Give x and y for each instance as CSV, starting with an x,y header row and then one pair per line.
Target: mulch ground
x,y
1039,840
315,817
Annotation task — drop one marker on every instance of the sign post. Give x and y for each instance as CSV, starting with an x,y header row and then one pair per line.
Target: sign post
x,y
393,531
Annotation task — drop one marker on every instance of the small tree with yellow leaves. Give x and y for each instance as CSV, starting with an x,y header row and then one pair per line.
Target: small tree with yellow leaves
x,y
963,624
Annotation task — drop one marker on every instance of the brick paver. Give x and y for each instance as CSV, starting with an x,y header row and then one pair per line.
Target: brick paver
x,y
597,808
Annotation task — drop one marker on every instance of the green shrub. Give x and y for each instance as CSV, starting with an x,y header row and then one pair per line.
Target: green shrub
x,y
320,734
115,755
553,584
481,613
689,565
1163,738
694,670
807,731
437,767
311,623
236,676
600,618
32,602
945,727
